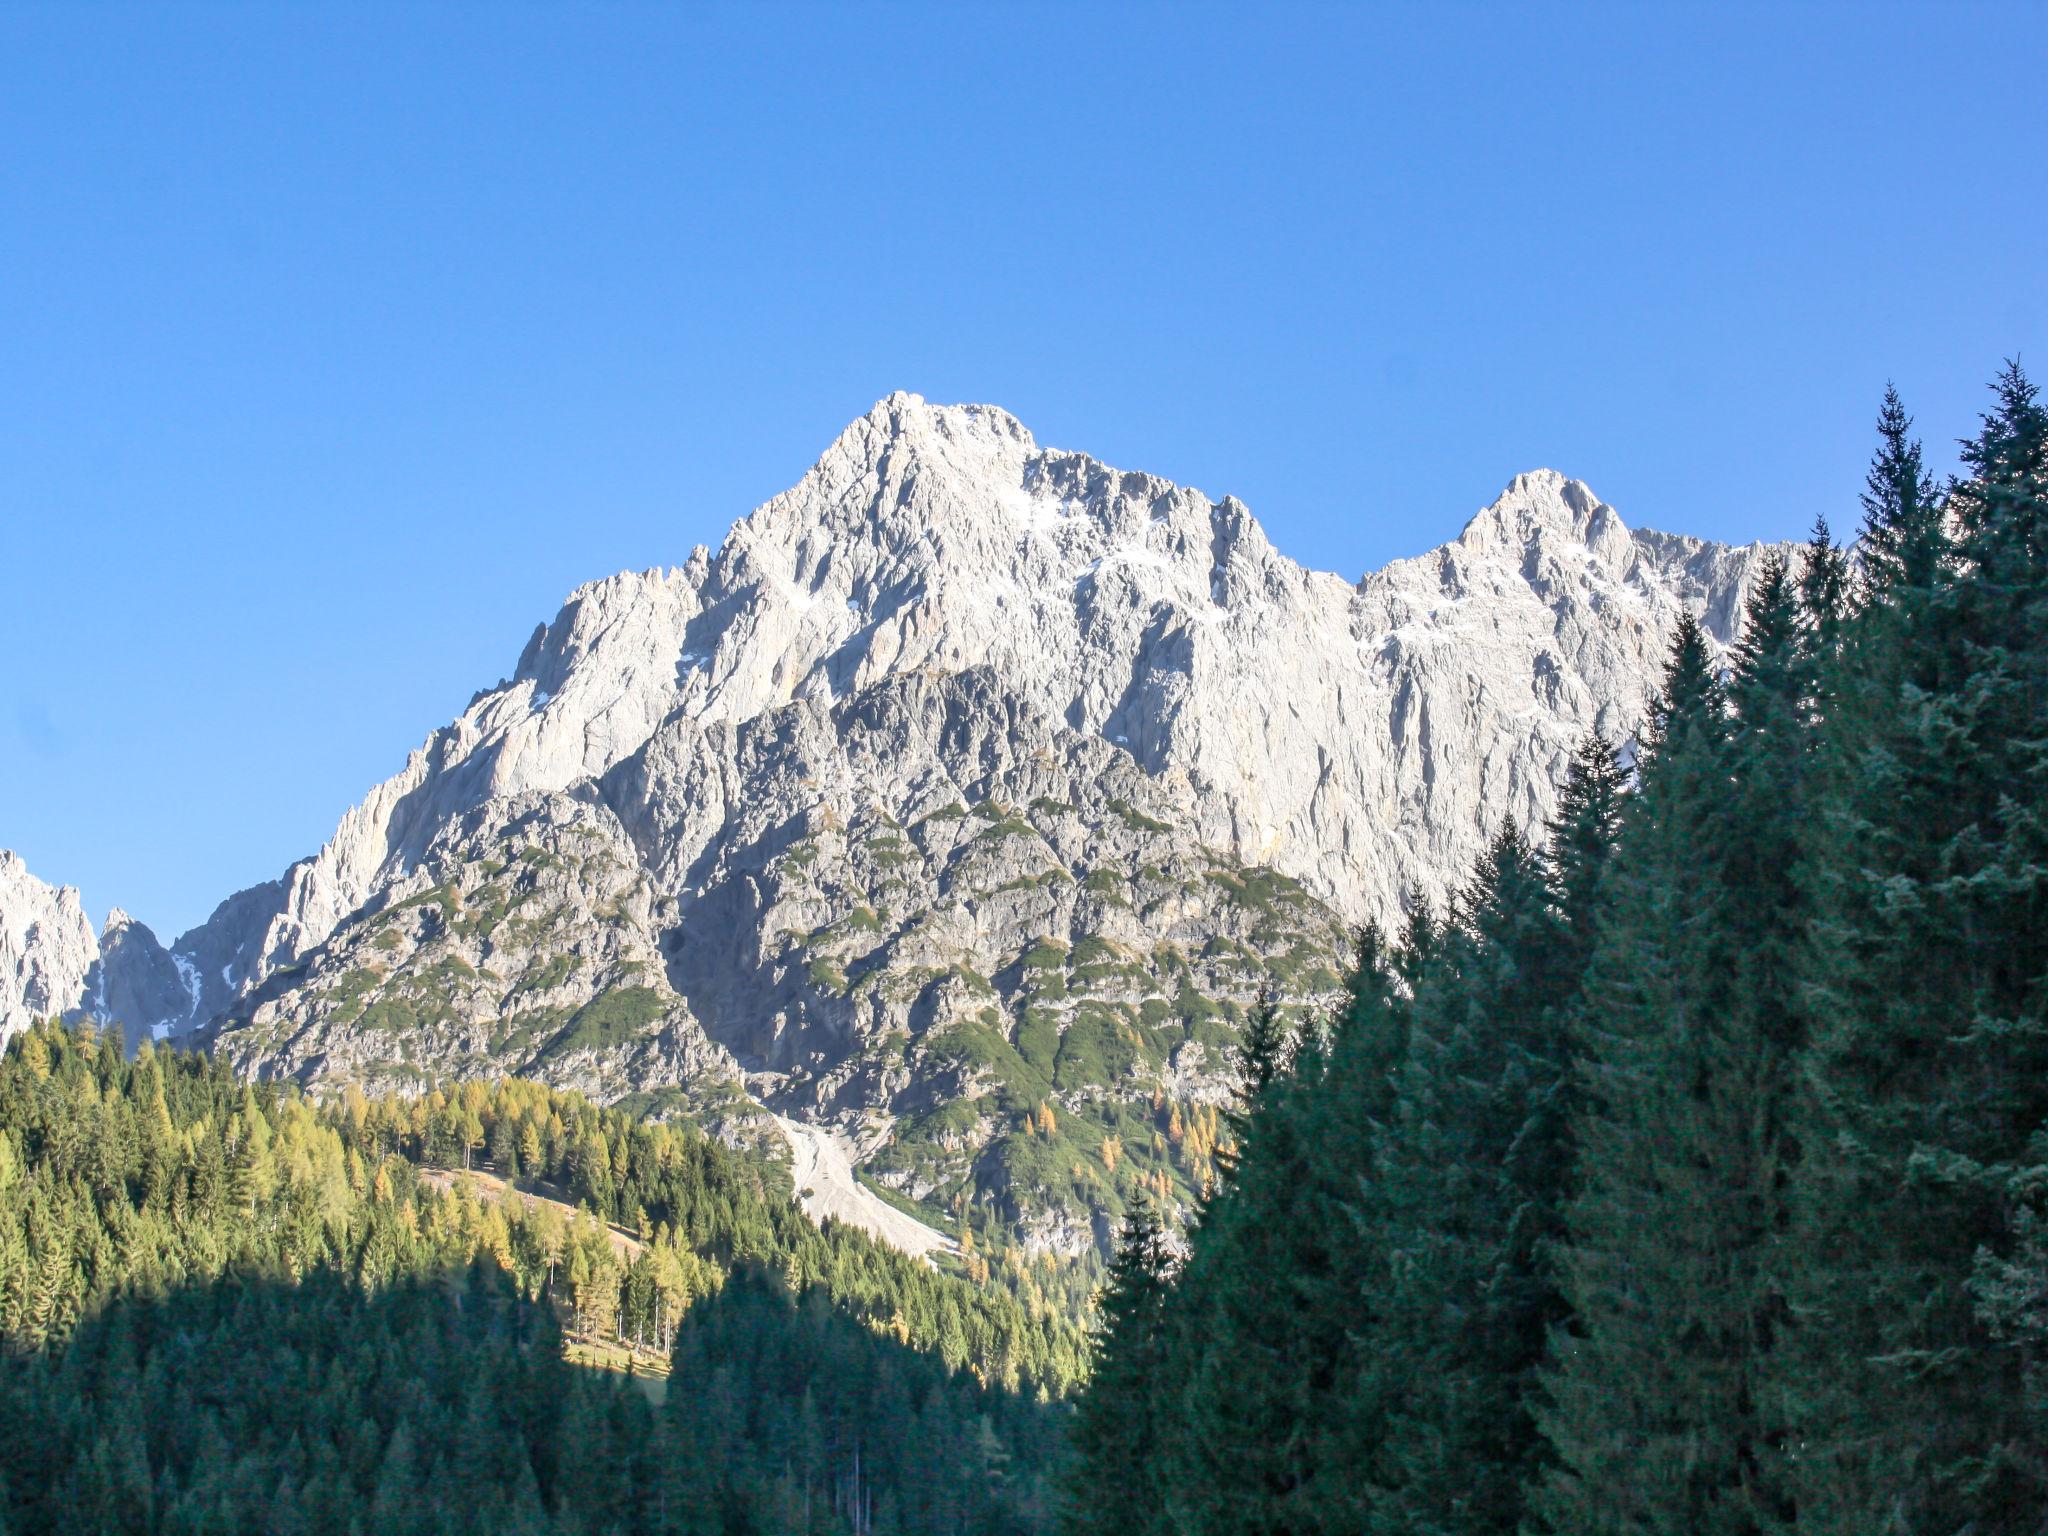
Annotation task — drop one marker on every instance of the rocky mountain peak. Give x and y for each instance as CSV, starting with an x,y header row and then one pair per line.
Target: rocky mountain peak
x,y
969,783
959,803
944,538
47,947
1544,509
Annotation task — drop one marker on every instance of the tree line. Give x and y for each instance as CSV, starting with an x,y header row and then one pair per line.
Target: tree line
x,y
1689,1175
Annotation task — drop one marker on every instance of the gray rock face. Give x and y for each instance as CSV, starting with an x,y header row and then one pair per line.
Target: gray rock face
x,y
52,965
1363,738
138,984
962,801
924,915
46,947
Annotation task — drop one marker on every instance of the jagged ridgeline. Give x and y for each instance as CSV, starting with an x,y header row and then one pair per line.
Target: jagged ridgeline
x,y
227,1308
956,809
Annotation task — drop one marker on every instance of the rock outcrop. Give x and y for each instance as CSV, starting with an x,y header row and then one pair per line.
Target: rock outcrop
x,y
47,947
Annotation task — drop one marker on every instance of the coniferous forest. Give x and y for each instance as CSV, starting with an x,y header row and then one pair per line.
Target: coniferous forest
x,y
228,1310
1688,1176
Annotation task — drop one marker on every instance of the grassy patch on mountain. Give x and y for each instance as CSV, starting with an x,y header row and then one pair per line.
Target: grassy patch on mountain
x,y
1094,1052
1136,819
347,996
1106,885
889,851
1038,1038
977,1048
546,973
610,1019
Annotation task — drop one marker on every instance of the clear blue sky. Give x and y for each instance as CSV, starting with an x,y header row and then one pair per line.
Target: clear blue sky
x,y
337,344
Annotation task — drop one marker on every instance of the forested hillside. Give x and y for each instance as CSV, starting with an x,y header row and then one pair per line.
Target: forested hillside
x,y
227,1309
1690,1175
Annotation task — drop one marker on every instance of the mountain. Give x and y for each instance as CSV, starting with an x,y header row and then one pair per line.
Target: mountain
x,y
960,803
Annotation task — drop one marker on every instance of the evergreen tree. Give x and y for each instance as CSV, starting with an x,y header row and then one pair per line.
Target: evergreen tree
x,y
1658,1391
1267,1043
1826,580
1930,1063
1253,1362
1116,1483
1905,546
1469,1197
1582,839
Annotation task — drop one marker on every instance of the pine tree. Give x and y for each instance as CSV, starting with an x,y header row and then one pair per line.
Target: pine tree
x,y
1905,547
1267,1042
1582,838
1341,1121
1826,580
1251,1358
1356,1098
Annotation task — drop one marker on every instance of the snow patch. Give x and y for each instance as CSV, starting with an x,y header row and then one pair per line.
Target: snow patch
x,y
1035,513
189,974
1134,554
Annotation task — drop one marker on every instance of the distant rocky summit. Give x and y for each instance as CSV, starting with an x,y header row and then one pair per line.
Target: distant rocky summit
x,y
46,947
961,802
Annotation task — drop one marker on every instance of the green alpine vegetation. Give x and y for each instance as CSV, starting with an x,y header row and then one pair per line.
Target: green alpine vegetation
x,y
1690,1176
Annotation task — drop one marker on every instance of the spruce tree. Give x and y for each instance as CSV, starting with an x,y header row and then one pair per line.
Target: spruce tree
x,y
1905,546
1582,838
1471,1191
1255,1361
1826,580
1116,1479
1267,1044
1346,1118
1929,1067
1658,1386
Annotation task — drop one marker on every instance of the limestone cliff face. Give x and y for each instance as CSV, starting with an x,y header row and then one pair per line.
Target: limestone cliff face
x,y
963,800
46,947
